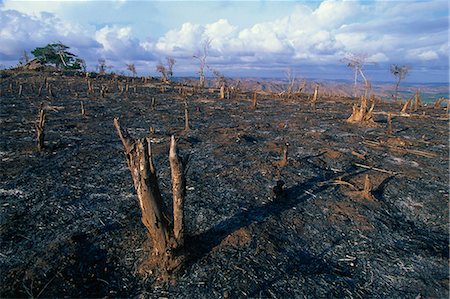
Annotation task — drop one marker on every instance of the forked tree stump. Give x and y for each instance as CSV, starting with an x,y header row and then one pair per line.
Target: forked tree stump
x,y
361,114
167,236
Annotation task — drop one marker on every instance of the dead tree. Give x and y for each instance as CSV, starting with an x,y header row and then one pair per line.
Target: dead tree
x,y
20,90
437,104
83,112
356,62
290,76
284,158
167,236
302,86
400,72
405,107
255,100
361,114
222,91
315,97
367,190
131,67
40,125
417,101
153,104
201,57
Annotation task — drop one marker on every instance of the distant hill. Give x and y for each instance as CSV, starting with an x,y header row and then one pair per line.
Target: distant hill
x,y
429,91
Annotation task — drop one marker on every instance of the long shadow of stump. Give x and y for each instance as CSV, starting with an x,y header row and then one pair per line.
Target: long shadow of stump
x,y
200,245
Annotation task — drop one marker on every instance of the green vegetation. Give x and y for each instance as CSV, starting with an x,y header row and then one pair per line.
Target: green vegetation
x,y
59,56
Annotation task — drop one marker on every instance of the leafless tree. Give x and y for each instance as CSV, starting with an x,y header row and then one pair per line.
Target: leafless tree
x,y
101,66
290,75
160,68
356,62
132,69
400,72
206,45
166,70
219,78
170,63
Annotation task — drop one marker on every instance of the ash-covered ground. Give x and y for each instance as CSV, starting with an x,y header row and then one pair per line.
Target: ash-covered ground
x,y
71,224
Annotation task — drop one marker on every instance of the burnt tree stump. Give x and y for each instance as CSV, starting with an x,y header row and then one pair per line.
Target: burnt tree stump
x,y
167,236
40,129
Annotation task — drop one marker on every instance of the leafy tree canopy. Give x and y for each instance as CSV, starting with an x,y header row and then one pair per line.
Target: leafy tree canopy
x,y
58,55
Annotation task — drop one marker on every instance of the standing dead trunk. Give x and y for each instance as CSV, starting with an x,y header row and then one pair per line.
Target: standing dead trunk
x,y
316,93
405,107
255,100
186,116
40,129
83,112
167,242
20,90
367,191
177,167
284,159
153,104
315,96
417,101
222,92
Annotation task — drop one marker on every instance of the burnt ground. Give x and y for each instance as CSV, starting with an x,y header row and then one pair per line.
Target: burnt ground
x,y
70,221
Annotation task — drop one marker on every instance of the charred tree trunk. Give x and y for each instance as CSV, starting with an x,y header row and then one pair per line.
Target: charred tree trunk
x,y
83,112
20,90
437,104
222,92
417,101
186,116
40,129
367,191
177,167
314,100
405,107
255,100
167,240
153,104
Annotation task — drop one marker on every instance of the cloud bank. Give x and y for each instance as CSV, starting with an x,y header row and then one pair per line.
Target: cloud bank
x,y
309,39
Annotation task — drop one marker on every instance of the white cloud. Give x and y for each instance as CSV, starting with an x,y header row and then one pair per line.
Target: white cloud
x,y
20,32
186,39
428,55
387,31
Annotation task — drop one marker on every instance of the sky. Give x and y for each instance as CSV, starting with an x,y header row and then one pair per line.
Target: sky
x,y
248,38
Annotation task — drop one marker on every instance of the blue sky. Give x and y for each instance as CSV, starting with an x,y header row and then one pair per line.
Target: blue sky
x,y
249,38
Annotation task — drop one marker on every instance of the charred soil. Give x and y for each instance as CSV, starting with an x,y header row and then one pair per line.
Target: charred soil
x,y
71,224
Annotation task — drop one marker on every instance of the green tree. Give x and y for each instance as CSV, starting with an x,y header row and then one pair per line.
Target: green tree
x,y
57,55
